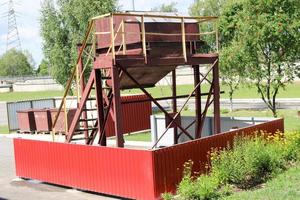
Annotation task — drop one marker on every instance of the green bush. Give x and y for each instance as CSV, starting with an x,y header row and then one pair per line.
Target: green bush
x,y
250,162
167,196
202,188
291,145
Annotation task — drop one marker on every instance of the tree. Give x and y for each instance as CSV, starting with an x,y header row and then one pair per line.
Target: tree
x,y
63,26
16,63
207,7
232,68
270,33
267,32
231,58
171,7
44,68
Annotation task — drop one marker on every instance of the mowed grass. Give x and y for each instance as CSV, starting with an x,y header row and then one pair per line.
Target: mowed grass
x,y
143,137
4,130
291,118
19,96
291,91
243,92
285,186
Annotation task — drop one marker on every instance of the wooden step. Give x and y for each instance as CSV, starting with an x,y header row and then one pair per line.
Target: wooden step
x,y
89,109
85,129
91,98
87,120
83,138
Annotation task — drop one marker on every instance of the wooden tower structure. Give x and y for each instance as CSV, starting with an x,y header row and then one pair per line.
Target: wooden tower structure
x,y
136,50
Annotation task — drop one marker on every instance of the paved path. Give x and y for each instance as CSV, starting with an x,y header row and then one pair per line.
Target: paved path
x,y
13,188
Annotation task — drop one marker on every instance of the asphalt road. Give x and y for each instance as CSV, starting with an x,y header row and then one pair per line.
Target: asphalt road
x,y
13,188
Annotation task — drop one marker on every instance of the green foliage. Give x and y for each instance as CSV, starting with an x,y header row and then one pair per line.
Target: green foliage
x,y
268,34
251,162
167,196
207,7
232,67
265,34
204,187
63,26
44,68
171,7
16,63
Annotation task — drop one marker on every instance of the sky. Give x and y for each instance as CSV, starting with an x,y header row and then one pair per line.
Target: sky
x,y
28,21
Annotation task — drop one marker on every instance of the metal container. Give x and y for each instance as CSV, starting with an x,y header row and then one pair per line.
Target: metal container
x,y
136,116
42,120
26,120
60,125
153,25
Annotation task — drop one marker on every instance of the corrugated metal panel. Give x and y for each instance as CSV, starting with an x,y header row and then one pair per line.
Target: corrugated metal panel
x,y
26,121
43,103
116,171
168,162
13,107
135,116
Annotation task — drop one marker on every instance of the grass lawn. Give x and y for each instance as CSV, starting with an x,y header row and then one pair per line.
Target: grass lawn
x,y
18,96
145,137
4,130
291,91
285,186
291,119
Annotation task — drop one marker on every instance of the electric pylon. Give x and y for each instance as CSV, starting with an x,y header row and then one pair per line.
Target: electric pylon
x,y
13,38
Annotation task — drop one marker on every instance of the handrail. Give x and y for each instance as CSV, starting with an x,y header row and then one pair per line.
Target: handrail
x,y
162,34
69,82
156,16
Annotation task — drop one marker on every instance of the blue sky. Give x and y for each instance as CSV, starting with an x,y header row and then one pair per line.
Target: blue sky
x,y
28,21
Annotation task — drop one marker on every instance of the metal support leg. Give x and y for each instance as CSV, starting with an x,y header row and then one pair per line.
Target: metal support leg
x,y
117,107
100,107
216,89
197,101
174,103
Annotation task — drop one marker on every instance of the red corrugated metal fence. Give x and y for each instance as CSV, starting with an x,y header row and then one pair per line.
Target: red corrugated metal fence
x,y
115,171
138,174
168,162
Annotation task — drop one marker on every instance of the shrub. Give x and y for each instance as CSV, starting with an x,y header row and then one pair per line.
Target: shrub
x,y
250,162
203,187
292,146
167,196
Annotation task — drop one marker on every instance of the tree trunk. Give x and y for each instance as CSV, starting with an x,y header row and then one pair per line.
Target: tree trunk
x,y
231,102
